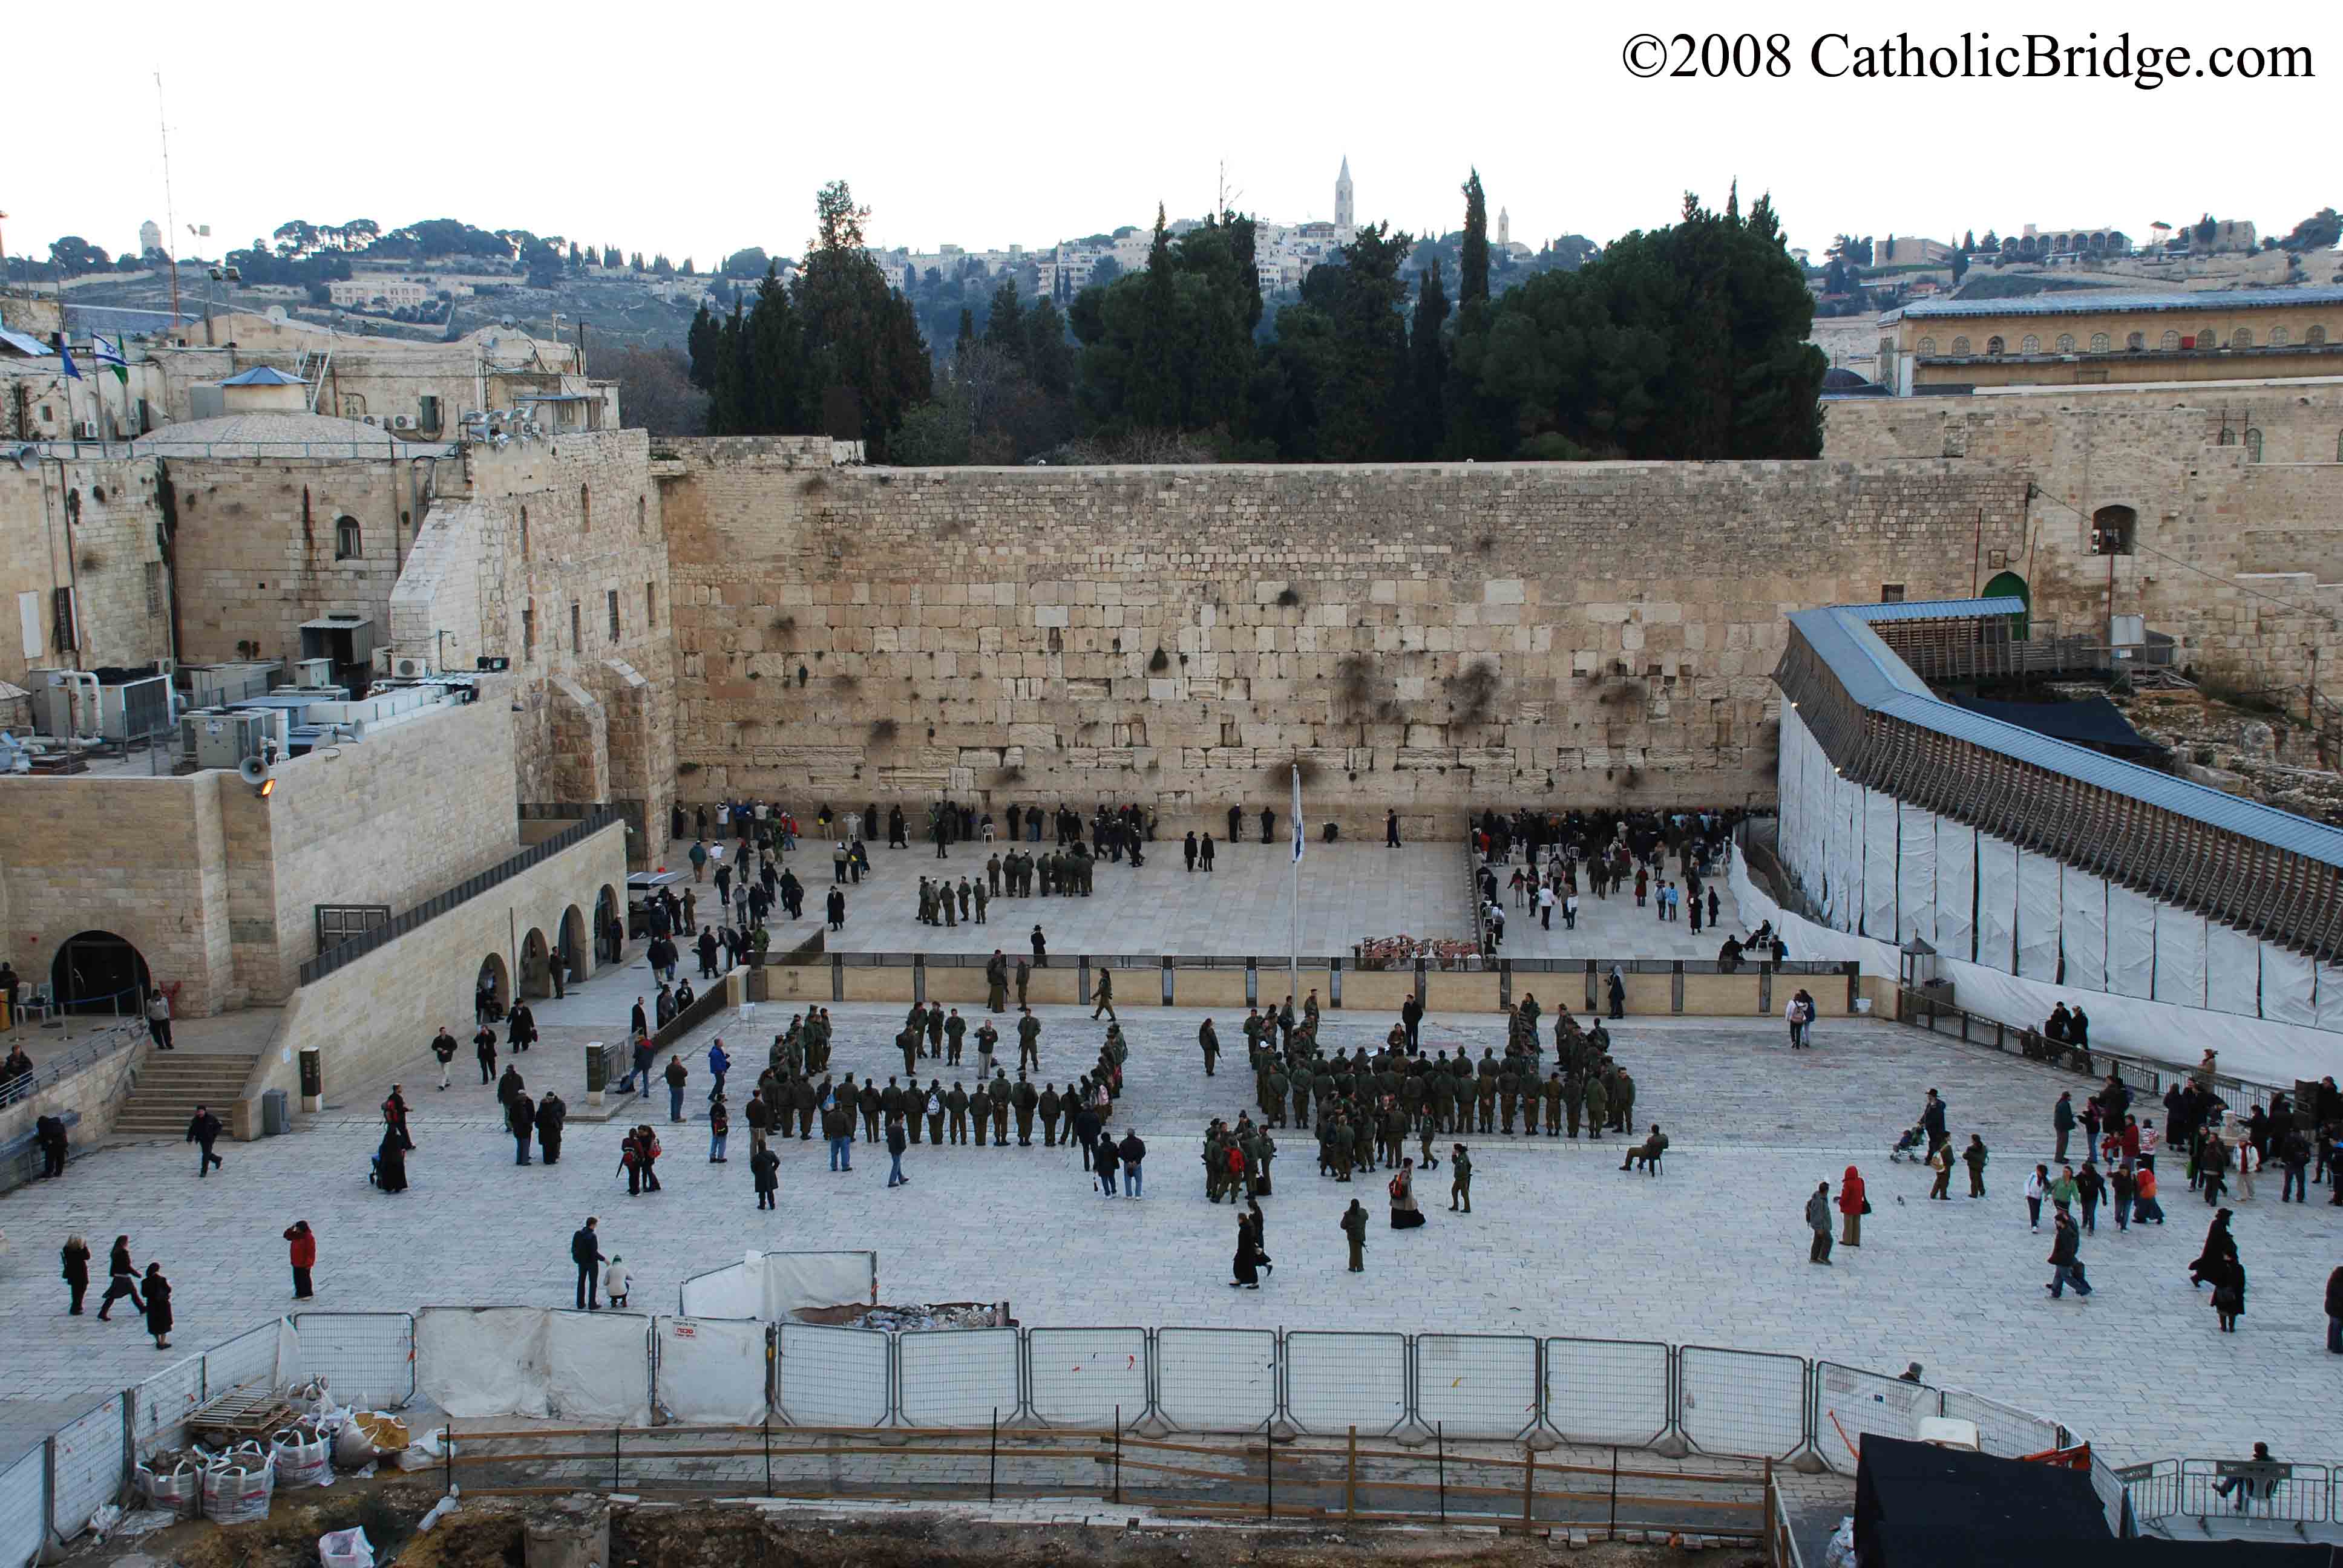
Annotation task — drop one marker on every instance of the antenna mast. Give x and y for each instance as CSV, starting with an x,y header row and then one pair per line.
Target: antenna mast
x,y
170,216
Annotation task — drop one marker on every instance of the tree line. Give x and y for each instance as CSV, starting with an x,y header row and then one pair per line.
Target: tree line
x,y
1685,342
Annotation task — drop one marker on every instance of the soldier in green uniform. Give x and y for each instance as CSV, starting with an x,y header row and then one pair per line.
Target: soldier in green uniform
x,y
1425,1162
944,897
1346,1145
1354,1227
1209,1041
1216,1162
1460,1180
1028,1040
1395,1129
1051,1108
956,1102
1485,1096
1598,1108
965,893
1574,1099
891,1099
934,1098
936,1028
1301,1087
927,904
803,1095
1625,1114
1551,1094
1508,1092
869,1100
1275,1101
1000,1111
955,1031
1024,1102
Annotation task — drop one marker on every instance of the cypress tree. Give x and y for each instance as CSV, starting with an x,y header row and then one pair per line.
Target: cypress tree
x,y
1472,262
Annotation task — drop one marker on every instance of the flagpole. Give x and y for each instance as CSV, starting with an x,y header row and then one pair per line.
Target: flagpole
x,y
1293,961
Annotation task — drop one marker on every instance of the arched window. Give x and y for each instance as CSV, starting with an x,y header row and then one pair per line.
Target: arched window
x,y
2113,529
2100,342
1927,346
2253,444
2171,339
641,511
2029,344
2228,437
347,544
2065,343
2136,342
1993,346
585,507
2243,337
2313,334
2277,336
1960,347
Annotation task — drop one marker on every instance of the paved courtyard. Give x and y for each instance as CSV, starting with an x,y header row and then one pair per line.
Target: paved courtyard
x,y
1561,1241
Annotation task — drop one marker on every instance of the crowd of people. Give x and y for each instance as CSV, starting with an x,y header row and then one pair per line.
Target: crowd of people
x,y
1551,853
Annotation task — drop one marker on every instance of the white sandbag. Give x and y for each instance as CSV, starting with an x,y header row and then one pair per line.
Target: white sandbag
x,y
305,1457
177,1488
345,1549
238,1485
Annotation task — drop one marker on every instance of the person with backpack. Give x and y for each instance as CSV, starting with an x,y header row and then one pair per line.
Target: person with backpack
x,y
2066,1258
1406,1214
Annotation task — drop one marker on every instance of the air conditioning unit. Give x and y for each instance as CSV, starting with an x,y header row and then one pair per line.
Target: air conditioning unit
x,y
407,668
86,430
399,423
370,419
311,674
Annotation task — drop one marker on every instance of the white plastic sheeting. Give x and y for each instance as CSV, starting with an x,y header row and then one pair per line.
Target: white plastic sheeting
x,y
1955,889
2290,984
2329,1002
2131,942
2258,1049
1846,823
711,1372
1915,875
598,1367
2038,917
474,1362
2083,928
2180,957
772,1285
2233,970
1996,904
1879,846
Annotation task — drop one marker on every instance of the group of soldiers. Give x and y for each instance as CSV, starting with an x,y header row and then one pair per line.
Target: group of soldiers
x,y
1061,873
1364,1106
928,1030
943,903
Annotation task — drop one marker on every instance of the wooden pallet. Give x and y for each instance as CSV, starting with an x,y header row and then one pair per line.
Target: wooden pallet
x,y
243,1413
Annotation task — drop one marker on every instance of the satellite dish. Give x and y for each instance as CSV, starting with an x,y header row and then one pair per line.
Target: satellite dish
x,y
253,771
277,314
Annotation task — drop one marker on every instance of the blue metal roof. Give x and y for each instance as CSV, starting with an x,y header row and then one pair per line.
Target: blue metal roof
x,y
2088,301
1934,609
1881,682
263,376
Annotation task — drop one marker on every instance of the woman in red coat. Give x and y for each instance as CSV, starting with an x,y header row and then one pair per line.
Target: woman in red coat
x,y
1851,1206
304,1257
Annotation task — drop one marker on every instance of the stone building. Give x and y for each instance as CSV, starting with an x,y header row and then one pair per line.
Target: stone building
x,y
2093,337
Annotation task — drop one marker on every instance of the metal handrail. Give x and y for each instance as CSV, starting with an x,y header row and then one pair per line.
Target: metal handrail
x,y
92,1052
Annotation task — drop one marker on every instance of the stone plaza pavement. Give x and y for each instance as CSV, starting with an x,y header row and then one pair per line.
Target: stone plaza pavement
x,y
1559,1242
1350,892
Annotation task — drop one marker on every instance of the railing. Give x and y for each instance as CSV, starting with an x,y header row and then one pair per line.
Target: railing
x,y
1472,899
2280,1490
358,946
1922,1011
1781,1537
92,1050
393,448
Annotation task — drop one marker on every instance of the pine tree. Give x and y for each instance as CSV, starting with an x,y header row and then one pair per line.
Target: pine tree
x,y
1004,326
1429,367
704,341
1472,262
967,338
1153,391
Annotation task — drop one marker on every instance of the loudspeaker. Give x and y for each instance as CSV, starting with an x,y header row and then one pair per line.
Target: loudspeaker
x,y
253,771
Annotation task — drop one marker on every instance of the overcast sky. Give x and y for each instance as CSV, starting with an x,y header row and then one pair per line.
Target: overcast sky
x,y
697,130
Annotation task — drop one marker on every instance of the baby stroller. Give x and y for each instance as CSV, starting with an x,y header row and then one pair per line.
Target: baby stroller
x,y
1913,1146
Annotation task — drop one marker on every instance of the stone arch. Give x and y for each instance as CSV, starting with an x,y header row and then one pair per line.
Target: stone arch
x,y
2136,341
610,906
2065,343
2114,530
573,946
2253,444
98,971
2100,342
1927,346
535,965
2242,337
2171,338
497,979
350,539
2313,334
1960,347
2009,585
2029,344
1995,345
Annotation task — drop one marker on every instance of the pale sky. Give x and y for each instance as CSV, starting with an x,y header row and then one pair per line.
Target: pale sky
x,y
697,130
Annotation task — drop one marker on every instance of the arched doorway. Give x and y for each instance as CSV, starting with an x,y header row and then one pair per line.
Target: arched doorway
x,y
577,958
535,965
610,925
97,971
2009,585
493,979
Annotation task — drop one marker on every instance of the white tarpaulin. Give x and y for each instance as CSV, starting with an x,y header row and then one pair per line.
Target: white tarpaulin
x,y
2257,1049
2329,1002
2180,957
2289,986
1836,861
1879,835
2083,928
1956,889
2039,914
2233,970
598,1367
2131,942
1996,904
738,1291
711,1372
474,1362
796,1280
1789,789
1916,874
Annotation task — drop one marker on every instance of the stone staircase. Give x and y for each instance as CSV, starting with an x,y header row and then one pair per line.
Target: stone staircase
x,y
171,1084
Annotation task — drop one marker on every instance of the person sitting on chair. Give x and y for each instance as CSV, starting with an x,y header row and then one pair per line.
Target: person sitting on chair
x,y
1647,1153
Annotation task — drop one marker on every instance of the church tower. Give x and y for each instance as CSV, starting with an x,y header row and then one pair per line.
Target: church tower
x,y
1504,228
1342,217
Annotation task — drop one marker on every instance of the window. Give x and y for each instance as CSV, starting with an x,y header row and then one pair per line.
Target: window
x,y
2253,445
2228,437
2101,343
2029,344
2205,338
577,634
1927,346
613,597
642,514
1960,347
153,588
2277,336
2171,340
2243,337
347,544
1993,346
527,631
1891,593
584,508
2113,531
2313,334
2136,342
650,606
2065,343
61,619
524,533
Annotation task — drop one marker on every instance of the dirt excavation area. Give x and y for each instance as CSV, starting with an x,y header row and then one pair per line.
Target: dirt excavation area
x,y
1068,1532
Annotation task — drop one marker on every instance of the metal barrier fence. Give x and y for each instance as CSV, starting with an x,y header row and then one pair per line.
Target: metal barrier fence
x,y
367,1359
2276,1490
24,1507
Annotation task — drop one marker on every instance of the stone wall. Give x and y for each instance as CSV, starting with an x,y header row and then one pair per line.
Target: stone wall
x,y
1418,636
98,535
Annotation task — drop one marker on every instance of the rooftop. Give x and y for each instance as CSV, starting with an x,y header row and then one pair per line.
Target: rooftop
x,y
2100,301
271,433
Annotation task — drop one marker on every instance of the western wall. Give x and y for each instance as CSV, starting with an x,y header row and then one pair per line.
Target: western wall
x,y
1422,637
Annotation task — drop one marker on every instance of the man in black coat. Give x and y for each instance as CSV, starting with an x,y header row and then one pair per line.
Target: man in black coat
x,y
552,1112
204,1130
1086,1132
586,1252
49,1133
521,1114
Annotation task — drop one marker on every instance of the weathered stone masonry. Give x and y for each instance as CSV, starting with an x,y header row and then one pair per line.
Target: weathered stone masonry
x,y
1425,636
